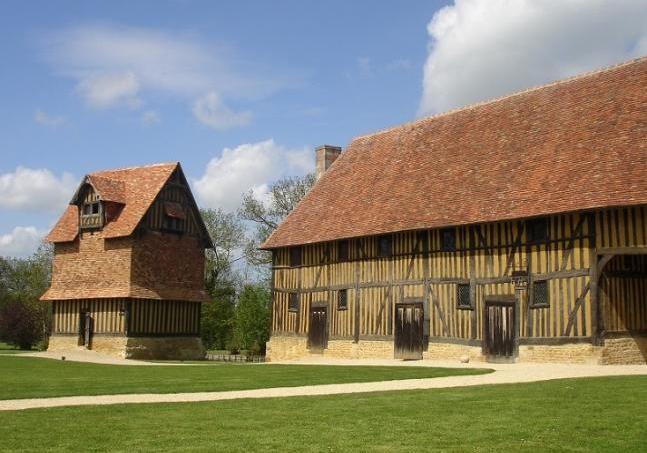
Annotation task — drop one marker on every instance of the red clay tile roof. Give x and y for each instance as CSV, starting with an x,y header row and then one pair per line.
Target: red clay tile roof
x,y
572,145
135,187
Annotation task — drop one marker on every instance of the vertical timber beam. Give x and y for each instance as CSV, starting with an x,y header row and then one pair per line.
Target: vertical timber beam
x,y
357,298
596,327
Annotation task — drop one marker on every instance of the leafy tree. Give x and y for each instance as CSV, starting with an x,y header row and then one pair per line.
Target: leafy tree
x,y
252,320
21,324
24,319
221,280
285,194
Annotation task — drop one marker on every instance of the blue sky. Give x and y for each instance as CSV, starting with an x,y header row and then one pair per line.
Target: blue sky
x,y
242,92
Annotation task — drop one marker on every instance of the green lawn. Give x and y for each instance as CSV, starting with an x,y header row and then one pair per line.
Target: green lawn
x,y
23,377
599,414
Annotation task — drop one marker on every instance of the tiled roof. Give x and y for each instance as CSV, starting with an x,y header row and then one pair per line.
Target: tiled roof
x,y
573,145
134,187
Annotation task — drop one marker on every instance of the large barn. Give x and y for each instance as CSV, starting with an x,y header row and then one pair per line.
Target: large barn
x,y
128,271
514,229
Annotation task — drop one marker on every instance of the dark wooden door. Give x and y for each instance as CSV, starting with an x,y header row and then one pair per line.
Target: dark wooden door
x,y
409,323
500,330
318,329
85,329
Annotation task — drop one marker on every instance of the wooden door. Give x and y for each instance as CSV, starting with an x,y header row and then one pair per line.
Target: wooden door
x,y
318,328
409,323
85,329
500,330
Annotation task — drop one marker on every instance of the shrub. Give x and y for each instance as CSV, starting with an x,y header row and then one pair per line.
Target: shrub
x,y
22,324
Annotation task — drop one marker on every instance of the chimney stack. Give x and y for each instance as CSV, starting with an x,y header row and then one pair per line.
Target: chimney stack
x,y
326,155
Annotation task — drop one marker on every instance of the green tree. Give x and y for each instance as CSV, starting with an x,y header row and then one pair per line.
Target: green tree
x,y
24,319
285,194
221,279
252,320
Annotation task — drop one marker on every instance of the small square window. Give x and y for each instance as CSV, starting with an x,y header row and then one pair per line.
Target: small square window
x,y
342,299
342,251
540,294
384,246
537,230
448,240
295,256
293,302
463,296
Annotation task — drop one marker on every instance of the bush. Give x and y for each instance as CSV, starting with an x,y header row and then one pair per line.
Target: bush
x,y
22,324
252,321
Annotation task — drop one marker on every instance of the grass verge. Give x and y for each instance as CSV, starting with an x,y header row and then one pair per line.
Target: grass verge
x,y
575,415
24,377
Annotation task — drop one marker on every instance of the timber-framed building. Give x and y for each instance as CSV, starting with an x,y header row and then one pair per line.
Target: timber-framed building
x,y
128,269
514,229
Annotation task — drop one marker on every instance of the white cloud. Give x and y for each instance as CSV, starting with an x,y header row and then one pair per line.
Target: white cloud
x,y
48,120
210,110
150,117
116,66
29,189
251,166
106,90
21,242
481,49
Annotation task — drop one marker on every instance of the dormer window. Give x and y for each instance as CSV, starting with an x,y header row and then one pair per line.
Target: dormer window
x,y
91,215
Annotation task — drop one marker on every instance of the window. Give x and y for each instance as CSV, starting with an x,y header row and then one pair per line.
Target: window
x,y
448,240
540,294
342,299
384,246
295,256
293,302
463,296
342,251
91,215
423,242
174,217
537,230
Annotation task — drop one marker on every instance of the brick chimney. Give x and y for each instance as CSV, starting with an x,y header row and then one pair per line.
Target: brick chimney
x,y
326,155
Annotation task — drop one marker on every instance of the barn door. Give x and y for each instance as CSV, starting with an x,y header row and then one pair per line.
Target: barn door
x,y
85,328
409,322
317,330
500,330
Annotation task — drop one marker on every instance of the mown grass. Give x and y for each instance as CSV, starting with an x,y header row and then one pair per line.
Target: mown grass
x,y
577,415
24,377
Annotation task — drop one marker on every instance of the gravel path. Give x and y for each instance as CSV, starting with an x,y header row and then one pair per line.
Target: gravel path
x,y
504,374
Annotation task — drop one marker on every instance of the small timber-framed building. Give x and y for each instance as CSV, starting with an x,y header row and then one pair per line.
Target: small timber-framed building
x,y
128,270
514,229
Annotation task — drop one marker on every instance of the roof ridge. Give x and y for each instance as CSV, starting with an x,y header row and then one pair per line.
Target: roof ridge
x,y
134,167
503,97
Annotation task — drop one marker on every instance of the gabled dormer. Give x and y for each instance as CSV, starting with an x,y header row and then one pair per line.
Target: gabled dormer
x,y
91,211
99,200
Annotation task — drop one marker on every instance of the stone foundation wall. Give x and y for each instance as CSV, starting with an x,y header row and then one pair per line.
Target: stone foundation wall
x,y
568,353
448,351
365,349
624,351
285,348
142,348
632,350
63,343
164,348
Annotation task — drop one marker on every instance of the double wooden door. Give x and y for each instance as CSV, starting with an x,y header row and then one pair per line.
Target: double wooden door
x,y
318,328
500,330
409,323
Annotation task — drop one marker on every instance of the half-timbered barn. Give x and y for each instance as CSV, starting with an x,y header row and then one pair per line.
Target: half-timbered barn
x,y
514,229
128,270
